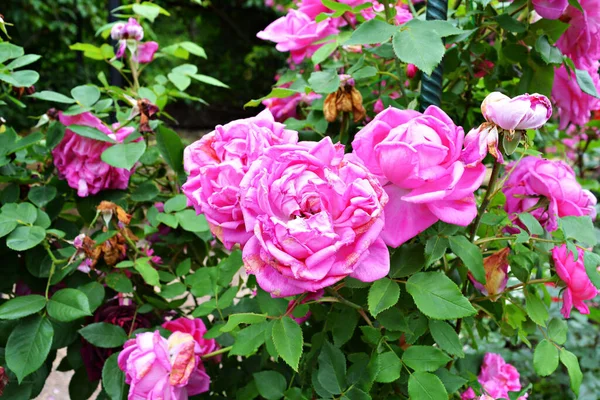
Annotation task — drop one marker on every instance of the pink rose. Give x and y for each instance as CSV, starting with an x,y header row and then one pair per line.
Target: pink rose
x,y
297,33
574,106
197,329
497,378
572,272
129,30
77,158
479,142
550,9
581,41
216,165
312,8
417,158
527,111
157,368
534,179
316,218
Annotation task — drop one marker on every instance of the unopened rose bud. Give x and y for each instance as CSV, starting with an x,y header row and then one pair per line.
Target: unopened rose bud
x,y
411,71
496,274
528,111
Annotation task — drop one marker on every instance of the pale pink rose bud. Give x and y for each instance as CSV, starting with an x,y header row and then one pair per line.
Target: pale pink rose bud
x,y
411,71
528,111
573,273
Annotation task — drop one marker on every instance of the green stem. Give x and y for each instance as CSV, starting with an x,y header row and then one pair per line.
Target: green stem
x,y
486,199
217,352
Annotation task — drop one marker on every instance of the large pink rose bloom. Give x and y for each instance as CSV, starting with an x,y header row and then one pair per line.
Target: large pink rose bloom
x,y
497,378
574,106
417,158
197,329
550,9
579,287
77,158
216,165
316,219
297,33
157,368
581,41
534,179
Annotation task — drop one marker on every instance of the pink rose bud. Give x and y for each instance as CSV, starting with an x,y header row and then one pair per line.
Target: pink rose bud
x,y
480,141
550,9
528,111
496,273
411,71
572,272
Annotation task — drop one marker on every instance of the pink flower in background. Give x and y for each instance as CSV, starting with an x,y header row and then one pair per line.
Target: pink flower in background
x,y
133,31
581,41
216,165
534,179
378,106
297,33
145,52
312,8
550,9
157,368
287,107
312,296
574,106
497,378
572,272
403,14
417,158
129,30
197,329
77,158
483,68
527,111
316,218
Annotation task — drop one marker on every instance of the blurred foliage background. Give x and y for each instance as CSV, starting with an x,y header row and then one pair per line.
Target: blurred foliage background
x,y
226,29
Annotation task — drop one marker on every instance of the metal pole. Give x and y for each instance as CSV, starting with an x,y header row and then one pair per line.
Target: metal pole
x,y
431,85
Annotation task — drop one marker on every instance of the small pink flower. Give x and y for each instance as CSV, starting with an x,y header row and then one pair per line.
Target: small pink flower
x,y
573,273
527,111
130,30
550,9
497,378
145,52
297,33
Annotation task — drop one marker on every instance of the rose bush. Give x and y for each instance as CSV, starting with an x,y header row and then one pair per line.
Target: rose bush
x,y
347,242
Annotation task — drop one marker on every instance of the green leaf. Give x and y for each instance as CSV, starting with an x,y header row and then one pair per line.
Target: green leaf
x,y
168,219
104,335
586,83
510,24
42,195
407,259
147,191
191,222
22,306
569,360
9,51
591,262
324,82
54,135
438,297
23,78
426,386
149,274
6,225
147,10
95,294
557,330
180,81
23,213
332,369
244,318
470,255
280,93
270,384
324,52
580,229
435,248
550,54
23,61
184,267
176,203
389,367
54,97
249,339
90,133
545,358
124,155
424,358
446,337
536,309
86,95
68,305
287,336
119,283
382,295
193,48
532,224
209,80
372,32
343,325
412,38
28,346
451,382
25,237
170,147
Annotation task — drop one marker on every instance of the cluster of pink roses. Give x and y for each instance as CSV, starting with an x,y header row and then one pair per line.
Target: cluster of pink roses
x,y
131,34
159,368
497,378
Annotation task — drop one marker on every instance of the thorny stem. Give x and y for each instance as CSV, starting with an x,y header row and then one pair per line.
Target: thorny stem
x,y
486,199
511,288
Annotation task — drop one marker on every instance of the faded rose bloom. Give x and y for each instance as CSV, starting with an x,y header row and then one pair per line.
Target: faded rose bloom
x,y
347,99
124,316
479,142
497,378
216,165
77,158
574,106
527,111
297,33
547,189
417,158
197,329
550,9
496,274
573,273
316,218
157,368
129,30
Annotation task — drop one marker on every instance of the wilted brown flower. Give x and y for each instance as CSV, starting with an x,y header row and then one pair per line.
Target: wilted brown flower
x,y
108,209
346,99
496,274
20,91
52,114
147,112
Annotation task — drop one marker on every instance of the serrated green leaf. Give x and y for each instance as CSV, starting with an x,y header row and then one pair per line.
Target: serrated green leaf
x,y
287,336
545,358
382,295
